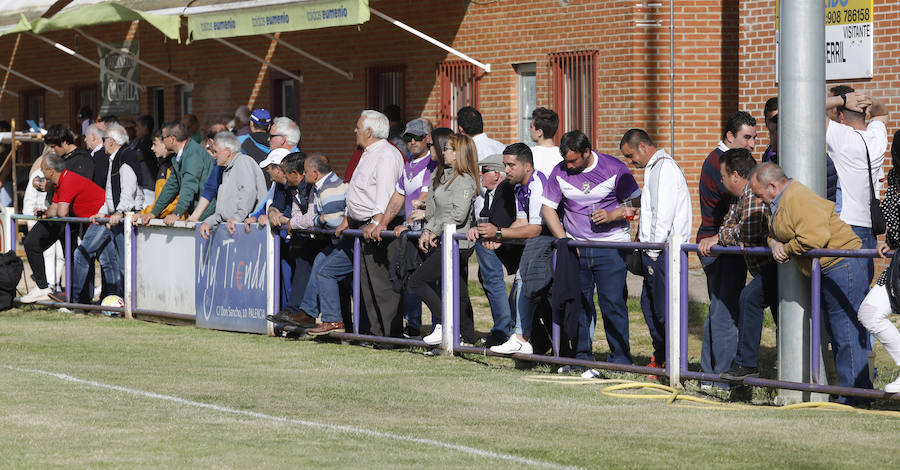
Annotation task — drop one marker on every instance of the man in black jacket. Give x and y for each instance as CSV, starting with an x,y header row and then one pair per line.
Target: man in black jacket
x,y
498,207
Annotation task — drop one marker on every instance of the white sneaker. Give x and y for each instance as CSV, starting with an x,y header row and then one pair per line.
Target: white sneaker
x,y
435,337
36,294
513,345
590,374
893,387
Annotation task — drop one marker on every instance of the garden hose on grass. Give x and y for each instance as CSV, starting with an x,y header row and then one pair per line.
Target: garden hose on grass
x,y
672,395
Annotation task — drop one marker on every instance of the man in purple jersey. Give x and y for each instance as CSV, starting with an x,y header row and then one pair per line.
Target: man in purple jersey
x,y
592,187
409,194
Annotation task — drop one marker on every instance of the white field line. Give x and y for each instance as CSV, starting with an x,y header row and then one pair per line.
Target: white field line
x,y
311,424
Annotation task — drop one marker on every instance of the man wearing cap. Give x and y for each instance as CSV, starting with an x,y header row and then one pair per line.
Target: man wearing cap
x,y
498,206
256,143
409,194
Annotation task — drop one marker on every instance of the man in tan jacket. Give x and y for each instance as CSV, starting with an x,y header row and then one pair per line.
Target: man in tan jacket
x,y
802,221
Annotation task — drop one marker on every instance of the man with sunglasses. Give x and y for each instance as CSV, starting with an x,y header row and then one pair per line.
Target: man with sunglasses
x,y
409,195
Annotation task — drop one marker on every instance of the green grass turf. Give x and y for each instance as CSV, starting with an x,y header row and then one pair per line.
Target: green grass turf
x,y
473,401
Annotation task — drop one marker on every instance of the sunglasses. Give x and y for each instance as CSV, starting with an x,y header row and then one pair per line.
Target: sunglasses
x,y
411,137
485,169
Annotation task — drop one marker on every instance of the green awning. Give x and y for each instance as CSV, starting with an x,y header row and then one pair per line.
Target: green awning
x,y
96,14
277,18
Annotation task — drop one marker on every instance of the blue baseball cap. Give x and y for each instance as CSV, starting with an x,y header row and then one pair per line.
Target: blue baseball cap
x,y
261,117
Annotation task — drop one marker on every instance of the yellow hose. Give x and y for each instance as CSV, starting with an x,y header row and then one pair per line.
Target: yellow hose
x,y
673,395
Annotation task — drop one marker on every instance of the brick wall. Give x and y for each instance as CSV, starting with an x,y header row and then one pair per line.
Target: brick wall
x,y
633,83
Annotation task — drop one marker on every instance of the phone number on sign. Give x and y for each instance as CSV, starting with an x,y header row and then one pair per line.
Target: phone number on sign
x,y
859,15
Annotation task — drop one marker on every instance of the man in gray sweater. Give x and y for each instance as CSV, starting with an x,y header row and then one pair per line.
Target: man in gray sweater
x,y
243,185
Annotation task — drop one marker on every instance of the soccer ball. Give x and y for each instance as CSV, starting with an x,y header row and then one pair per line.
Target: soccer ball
x,y
112,301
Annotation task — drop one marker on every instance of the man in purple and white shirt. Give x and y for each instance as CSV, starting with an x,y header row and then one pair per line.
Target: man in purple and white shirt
x,y
592,187
409,194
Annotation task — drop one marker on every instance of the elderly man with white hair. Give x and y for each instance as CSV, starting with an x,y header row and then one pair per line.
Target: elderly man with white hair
x,y
368,194
243,185
93,140
123,194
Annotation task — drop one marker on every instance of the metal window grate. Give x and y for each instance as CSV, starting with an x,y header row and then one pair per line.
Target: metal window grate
x,y
574,76
386,85
459,88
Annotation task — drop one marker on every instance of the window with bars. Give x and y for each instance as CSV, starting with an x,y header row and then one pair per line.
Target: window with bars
x,y
459,88
386,85
574,76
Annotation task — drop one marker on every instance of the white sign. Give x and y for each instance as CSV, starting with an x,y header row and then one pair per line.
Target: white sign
x,y
849,32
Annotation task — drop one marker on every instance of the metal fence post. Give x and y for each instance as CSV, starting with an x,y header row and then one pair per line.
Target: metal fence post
x,y
674,290
556,321
357,248
129,251
10,224
815,320
684,307
68,240
448,284
272,273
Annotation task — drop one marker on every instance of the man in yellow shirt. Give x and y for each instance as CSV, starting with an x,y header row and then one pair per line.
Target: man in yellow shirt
x,y
801,221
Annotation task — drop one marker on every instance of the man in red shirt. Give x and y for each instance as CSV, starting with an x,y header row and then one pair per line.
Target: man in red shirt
x,y
74,196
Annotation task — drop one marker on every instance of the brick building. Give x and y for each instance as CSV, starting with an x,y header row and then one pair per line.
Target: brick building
x,y
604,66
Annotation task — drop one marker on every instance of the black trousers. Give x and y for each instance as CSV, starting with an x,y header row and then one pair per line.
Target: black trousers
x,y
422,283
41,237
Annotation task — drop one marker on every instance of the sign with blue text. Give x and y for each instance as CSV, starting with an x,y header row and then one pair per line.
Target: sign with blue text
x,y
232,285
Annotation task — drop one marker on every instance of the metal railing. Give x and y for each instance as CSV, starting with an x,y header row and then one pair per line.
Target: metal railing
x,y
676,310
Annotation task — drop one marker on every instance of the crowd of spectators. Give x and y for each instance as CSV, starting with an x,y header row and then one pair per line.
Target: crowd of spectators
x,y
515,204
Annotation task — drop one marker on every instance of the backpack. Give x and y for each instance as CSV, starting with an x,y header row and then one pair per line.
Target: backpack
x,y
11,268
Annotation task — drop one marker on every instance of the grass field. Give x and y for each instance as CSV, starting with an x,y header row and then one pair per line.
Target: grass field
x,y
139,394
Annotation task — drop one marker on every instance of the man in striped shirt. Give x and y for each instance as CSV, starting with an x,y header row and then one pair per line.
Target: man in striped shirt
x,y
725,274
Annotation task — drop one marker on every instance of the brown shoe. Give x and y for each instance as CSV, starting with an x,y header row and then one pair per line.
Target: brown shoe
x,y
326,328
301,319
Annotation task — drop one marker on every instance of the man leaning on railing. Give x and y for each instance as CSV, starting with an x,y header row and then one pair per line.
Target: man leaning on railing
x,y
802,221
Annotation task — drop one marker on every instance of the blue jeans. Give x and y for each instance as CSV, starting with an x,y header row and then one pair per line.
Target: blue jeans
x,y
524,310
868,243
331,266
761,292
604,269
412,309
97,239
491,273
725,278
653,303
844,287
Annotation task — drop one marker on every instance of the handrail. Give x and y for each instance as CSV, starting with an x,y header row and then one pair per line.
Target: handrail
x,y
453,321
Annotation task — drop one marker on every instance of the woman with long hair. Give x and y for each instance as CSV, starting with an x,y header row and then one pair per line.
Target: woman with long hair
x,y
454,185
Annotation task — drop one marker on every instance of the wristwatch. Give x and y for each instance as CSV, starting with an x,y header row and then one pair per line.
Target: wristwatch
x,y
844,97
499,234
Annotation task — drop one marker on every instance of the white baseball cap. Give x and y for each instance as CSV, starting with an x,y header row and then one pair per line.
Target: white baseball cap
x,y
275,156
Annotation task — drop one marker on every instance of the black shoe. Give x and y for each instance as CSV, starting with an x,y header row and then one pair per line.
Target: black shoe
x,y
571,369
740,373
494,340
411,333
58,297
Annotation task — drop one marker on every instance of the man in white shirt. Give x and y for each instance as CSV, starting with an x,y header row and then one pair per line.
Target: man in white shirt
x,y
470,123
665,209
849,140
368,194
544,123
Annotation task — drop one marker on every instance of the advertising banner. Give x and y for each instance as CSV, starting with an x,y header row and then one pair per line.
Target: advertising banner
x,y
277,18
117,96
232,290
